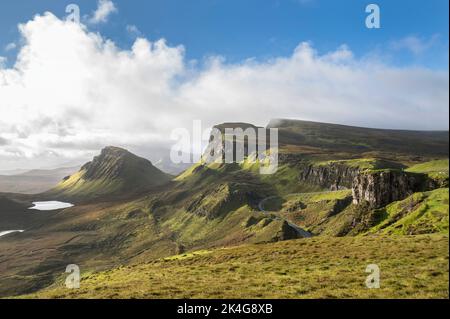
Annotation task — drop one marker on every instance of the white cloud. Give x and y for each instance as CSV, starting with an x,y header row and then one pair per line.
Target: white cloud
x,y
133,30
71,92
414,44
104,9
10,46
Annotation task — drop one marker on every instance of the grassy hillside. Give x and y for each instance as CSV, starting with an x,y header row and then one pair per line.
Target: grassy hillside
x,y
430,167
411,267
114,172
341,141
420,213
437,170
364,163
332,213
323,213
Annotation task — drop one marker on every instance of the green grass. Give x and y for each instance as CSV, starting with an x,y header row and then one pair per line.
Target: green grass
x,y
188,255
76,185
284,181
317,197
430,167
233,228
425,212
363,163
321,267
436,170
324,213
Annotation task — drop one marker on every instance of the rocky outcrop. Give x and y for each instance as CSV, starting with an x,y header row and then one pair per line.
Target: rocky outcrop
x,y
286,232
380,188
437,181
229,148
333,176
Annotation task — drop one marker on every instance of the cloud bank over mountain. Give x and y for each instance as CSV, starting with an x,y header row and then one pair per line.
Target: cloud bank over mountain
x,y
73,91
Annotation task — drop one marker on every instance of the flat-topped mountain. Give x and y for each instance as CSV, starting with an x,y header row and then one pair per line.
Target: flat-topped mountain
x,y
115,171
335,140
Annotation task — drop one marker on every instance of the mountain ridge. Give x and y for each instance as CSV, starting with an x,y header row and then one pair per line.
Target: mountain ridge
x,y
115,171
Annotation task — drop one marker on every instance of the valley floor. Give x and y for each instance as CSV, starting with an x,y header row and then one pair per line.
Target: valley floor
x,y
319,267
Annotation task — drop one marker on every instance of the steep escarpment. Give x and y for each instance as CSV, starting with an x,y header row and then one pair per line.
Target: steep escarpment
x,y
380,188
232,142
377,182
333,176
436,172
356,210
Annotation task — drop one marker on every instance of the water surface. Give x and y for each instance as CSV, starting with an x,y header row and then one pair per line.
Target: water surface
x,y
50,205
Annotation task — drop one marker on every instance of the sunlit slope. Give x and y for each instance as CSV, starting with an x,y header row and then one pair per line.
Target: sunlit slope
x,y
420,213
114,172
436,170
411,267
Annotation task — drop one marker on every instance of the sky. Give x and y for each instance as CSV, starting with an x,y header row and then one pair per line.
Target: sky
x,y
132,71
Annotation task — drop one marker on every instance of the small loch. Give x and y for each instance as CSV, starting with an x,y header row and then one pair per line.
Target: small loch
x,y
50,205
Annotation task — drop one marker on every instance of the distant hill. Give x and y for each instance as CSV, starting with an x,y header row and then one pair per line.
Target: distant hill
x,y
34,181
114,172
349,141
165,164
9,172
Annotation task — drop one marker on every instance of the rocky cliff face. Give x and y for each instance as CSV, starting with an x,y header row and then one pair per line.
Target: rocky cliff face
x,y
439,181
333,176
380,188
228,148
